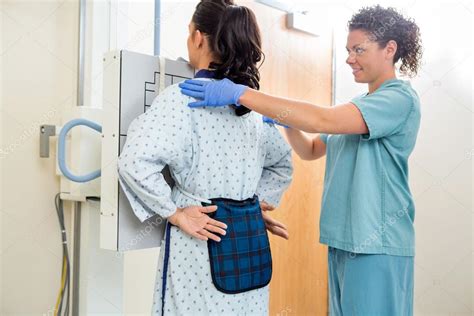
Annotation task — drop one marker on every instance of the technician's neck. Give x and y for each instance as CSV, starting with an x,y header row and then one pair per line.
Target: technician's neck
x,y
378,82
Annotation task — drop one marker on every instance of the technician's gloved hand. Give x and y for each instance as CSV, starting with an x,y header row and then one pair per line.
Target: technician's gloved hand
x,y
212,93
271,121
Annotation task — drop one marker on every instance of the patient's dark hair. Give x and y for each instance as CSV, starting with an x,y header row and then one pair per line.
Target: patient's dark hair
x,y
234,38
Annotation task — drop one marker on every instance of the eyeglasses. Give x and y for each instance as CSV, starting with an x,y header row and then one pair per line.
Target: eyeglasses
x,y
357,51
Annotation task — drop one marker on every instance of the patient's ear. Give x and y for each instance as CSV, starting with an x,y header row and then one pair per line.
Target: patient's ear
x,y
198,39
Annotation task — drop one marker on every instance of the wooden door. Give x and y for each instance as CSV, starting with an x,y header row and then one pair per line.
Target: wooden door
x,y
297,65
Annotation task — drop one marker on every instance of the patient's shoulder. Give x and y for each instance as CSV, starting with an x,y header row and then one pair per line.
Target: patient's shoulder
x,y
171,99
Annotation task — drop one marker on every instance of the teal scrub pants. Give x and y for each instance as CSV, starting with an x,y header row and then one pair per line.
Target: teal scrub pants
x,y
370,284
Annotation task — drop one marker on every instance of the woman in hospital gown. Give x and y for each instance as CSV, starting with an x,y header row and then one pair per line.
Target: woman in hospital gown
x,y
211,152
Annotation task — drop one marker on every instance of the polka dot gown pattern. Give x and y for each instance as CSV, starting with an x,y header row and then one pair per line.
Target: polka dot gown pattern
x,y
211,153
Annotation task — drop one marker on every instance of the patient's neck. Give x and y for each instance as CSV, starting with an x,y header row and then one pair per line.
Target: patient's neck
x,y
204,62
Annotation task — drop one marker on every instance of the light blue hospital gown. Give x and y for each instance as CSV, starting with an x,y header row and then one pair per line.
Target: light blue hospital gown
x,y
211,153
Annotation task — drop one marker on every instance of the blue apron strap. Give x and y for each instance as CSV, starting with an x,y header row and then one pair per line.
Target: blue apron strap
x,y
165,266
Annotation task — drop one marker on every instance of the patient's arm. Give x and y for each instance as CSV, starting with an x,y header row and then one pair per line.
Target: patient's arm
x,y
153,141
277,168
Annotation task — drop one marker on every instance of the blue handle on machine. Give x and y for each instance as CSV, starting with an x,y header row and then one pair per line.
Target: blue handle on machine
x,y
62,150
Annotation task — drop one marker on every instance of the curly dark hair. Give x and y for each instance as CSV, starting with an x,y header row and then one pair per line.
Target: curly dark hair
x,y
234,38
385,24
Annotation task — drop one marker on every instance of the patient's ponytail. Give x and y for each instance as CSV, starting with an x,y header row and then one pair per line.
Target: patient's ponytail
x,y
235,40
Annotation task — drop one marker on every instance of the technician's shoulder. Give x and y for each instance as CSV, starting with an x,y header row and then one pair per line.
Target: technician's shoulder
x,y
407,87
400,94
401,89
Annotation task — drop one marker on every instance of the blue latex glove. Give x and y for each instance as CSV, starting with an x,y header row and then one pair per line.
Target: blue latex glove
x,y
212,93
271,121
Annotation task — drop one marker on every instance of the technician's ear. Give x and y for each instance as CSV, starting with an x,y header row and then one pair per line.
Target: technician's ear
x,y
391,49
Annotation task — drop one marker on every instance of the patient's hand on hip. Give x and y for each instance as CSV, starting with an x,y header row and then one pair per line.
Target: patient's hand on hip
x,y
194,221
273,226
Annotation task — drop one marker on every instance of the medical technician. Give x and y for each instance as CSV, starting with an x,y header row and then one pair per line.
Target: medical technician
x,y
367,208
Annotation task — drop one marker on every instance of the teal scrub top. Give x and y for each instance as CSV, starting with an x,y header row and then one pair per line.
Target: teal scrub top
x,y
367,206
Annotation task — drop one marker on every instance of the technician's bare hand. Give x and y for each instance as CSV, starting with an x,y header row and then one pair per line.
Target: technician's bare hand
x,y
194,221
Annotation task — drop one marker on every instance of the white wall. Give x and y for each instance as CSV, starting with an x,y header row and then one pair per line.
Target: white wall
x,y
38,81
441,164
38,67
175,17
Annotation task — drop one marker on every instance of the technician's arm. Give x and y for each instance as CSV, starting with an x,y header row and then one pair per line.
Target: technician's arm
x,y
340,119
306,147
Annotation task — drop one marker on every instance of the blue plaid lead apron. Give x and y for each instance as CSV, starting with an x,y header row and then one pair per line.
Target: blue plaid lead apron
x,y
242,260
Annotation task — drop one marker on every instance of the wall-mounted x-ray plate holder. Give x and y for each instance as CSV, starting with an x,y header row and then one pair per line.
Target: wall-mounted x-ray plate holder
x,y
131,82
